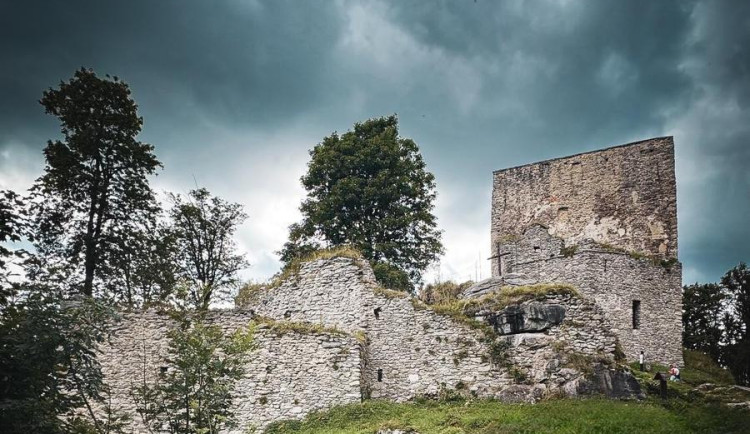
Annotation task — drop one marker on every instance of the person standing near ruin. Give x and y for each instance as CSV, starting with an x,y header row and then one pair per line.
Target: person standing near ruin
x,y
640,360
674,373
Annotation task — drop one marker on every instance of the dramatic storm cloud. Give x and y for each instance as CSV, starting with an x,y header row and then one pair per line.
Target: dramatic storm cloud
x,y
234,93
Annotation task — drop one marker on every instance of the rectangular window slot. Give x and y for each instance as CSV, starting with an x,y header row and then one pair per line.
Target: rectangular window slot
x,y
377,312
380,375
636,314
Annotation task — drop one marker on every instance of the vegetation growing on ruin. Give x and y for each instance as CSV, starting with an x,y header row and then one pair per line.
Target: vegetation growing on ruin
x,y
248,291
370,188
390,293
443,292
281,328
666,263
569,251
503,298
456,415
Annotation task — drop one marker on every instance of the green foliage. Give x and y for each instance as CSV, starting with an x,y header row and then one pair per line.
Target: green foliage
x,y
392,277
11,224
569,251
701,368
736,322
716,320
48,365
247,293
702,308
443,292
194,395
369,188
502,298
389,293
493,417
207,256
94,192
281,328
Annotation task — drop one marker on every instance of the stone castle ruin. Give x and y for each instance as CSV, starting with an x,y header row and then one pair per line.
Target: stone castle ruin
x,y
573,255
606,223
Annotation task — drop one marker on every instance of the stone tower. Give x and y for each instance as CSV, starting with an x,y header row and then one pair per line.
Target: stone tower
x,y
606,222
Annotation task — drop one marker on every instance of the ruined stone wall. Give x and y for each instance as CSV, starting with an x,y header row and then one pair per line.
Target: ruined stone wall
x,y
326,292
404,348
412,350
615,280
624,196
288,375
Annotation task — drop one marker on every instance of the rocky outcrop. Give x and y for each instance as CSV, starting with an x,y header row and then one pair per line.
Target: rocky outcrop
x,y
613,383
487,286
526,318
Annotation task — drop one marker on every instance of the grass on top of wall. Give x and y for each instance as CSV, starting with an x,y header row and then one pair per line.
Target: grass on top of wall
x,y
281,328
506,296
493,417
248,291
465,310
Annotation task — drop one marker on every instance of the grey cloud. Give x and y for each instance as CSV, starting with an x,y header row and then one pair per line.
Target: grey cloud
x,y
479,85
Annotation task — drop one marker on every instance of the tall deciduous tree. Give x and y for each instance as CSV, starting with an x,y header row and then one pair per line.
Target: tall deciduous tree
x,y
10,231
195,394
206,252
95,179
702,312
369,188
737,322
50,379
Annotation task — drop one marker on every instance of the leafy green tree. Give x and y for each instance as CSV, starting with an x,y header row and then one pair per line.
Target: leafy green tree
x,y
143,266
207,255
194,395
95,179
737,323
48,366
702,310
369,188
11,222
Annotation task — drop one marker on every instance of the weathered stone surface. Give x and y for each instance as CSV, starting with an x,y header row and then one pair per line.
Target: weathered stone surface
x,y
409,351
526,318
614,383
624,196
573,220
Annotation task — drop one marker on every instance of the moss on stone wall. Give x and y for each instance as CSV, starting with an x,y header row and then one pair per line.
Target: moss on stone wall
x,y
281,328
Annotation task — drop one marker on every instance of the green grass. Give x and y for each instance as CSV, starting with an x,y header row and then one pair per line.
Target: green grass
x,y
554,416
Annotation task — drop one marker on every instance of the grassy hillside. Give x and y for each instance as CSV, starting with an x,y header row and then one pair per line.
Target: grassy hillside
x,y
559,416
688,410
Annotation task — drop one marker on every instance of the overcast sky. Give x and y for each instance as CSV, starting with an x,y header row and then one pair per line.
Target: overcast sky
x,y
234,94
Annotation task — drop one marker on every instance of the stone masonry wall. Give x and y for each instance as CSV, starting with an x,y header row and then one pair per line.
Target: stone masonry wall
x,y
615,280
287,376
411,350
624,196
326,292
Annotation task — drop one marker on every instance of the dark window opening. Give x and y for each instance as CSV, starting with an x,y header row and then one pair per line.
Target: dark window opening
x,y
163,369
563,208
536,247
636,314
377,312
380,375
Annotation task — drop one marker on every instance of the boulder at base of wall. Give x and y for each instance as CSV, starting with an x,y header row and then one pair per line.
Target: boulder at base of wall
x,y
525,318
613,383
